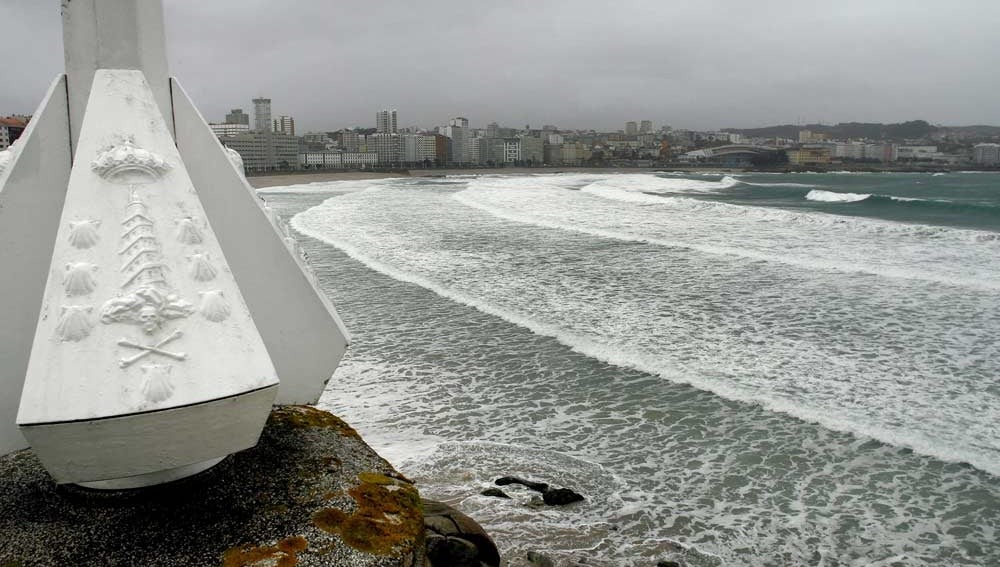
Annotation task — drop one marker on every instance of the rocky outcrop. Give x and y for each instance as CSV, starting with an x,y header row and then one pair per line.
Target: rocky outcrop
x,y
310,493
456,540
550,496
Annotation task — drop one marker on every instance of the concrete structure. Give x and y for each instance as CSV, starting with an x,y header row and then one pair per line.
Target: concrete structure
x,y
237,116
285,125
385,122
227,129
646,127
156,353
262,115
986,154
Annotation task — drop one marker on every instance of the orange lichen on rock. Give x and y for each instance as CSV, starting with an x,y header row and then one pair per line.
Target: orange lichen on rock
x,y
388,518
303,417
283,554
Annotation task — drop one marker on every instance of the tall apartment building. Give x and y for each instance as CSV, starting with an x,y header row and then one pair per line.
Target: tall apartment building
x,y
631,128
285,125
262,114
385,122
350,140
237,116
646,127
458,131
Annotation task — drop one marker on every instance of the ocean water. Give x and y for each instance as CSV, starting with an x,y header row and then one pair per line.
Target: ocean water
x,y
734,370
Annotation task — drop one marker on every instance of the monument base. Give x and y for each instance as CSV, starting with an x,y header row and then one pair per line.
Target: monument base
x,y
152,479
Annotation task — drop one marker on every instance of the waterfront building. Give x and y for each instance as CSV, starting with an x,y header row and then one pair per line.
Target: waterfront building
x,y
553,154
556,139
511,150
986,154
809,155
881,152
532,150
457,131
262,114
237,116
265,151
472,149
285,125
338,160
229,129
631,129
646,127
385,121
350,140
387,146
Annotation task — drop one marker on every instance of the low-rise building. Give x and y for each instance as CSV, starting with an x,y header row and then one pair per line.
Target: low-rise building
x,y
809,155
229,129
986,154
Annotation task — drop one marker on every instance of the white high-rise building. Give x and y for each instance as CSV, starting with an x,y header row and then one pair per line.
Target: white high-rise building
x,y
262,114
385,121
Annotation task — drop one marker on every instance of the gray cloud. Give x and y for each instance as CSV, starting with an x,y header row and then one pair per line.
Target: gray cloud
x,y
573,63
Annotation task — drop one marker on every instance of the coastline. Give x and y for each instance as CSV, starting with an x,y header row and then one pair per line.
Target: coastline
x,y
304,177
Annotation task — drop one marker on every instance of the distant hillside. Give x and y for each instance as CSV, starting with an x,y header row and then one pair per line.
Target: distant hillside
x,y
875,131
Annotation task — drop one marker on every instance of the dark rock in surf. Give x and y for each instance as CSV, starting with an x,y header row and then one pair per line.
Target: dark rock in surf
x,y
495,492
506,480
540,560
560,496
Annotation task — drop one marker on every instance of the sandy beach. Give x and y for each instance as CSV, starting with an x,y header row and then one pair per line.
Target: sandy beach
x,y
301,178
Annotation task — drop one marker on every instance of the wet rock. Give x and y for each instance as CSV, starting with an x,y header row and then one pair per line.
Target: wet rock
x,y
495,492
550,496
560,496
443,521
506,480
451,551
540,560
668,564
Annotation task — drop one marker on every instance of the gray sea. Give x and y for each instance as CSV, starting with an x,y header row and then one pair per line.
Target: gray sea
x,y
734,370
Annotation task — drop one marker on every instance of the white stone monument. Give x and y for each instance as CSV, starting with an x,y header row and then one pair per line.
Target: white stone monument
x,y
167,310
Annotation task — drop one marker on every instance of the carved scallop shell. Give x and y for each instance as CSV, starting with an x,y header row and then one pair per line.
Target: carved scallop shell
x,y
156,385
79,278
74,322
83,234
187,232
214,306
201,269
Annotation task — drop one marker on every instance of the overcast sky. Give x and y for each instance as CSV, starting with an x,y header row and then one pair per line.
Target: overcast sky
x,y
573,63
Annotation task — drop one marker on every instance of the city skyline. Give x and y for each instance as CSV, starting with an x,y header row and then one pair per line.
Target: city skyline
x,y
575,65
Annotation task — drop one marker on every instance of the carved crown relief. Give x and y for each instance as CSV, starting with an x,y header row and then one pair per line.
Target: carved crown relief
x,y
129,164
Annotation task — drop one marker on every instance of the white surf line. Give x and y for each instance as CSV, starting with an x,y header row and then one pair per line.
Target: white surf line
x,y
724,250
